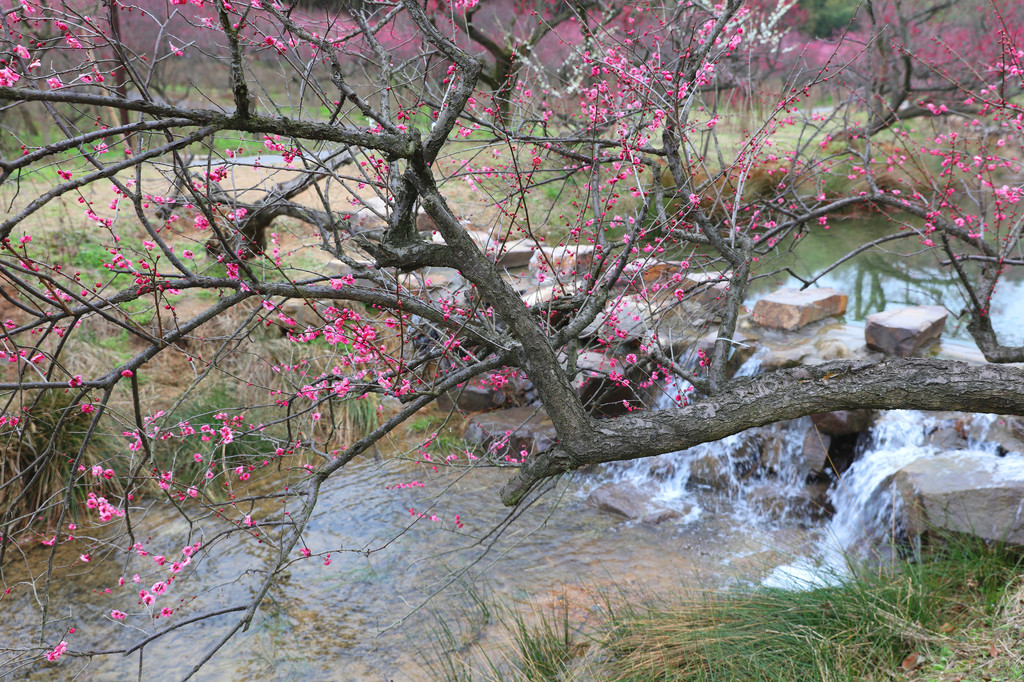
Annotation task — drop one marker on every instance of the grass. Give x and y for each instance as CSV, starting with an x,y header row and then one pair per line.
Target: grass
x,y
35,451
956,612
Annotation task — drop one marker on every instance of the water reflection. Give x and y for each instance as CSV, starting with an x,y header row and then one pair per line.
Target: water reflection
x,y
893,275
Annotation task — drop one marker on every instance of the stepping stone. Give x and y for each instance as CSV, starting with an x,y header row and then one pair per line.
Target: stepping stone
x,y
790,309
902,332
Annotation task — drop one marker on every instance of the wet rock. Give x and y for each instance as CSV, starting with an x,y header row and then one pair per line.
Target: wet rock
x,y
806,502
963,493
903,332
508,432
661,469
815,451
831,349
947,438
660,516
630,501
843,422
743,346
790,309
713,472
624,499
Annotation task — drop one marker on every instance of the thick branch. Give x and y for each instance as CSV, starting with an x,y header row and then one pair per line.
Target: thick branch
x,y
912,383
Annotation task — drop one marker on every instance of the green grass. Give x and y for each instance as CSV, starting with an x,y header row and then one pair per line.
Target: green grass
x,y
954,613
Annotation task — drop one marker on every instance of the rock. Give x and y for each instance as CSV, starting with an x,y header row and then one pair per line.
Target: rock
x,y
784,358
595,388
712,472
624,319
624,499
475,396
661,469
815,451
902,332
424,223
506,433
706,288
660,516
832,349
843,422
564,261
790,309
982,496
807,502
946,438
303,313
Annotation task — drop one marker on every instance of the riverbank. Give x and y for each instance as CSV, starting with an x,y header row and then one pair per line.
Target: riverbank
x,y
955,611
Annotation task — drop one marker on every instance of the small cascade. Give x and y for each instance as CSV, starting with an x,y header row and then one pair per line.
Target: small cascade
x,y
867,519
764,476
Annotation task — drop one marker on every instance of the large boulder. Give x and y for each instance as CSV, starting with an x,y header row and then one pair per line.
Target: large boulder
x,y
964,492
507,433
904,331
790,309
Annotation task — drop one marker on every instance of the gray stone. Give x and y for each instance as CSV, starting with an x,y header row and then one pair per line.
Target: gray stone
x,y
508,432
902,332
790,309
624,499
843,422
474,396
784,358
815,451
806,502
565,261
712,472
982,496
660,516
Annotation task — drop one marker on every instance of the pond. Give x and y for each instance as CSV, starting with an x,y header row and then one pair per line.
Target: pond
x,y
893,275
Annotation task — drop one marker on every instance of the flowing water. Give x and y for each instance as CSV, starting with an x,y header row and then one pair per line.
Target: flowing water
x,y
375,611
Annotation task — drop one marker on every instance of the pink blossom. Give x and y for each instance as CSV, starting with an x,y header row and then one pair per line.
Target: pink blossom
x,y
118,615
57,652
8,78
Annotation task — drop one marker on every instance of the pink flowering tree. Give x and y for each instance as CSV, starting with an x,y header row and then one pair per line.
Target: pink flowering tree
x,y
318,210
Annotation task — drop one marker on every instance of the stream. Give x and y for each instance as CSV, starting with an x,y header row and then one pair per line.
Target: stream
x,y
374,613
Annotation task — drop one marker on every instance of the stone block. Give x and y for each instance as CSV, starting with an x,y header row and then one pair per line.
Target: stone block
x,y
791,309
904,331
964,493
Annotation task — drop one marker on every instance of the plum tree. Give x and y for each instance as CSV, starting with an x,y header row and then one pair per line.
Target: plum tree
x,y
363,176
